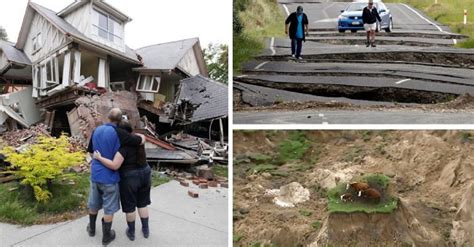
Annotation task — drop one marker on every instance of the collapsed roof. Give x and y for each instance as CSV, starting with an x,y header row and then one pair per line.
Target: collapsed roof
x,y
208,96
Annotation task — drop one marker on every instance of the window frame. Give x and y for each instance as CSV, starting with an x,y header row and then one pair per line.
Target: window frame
x,y
111,32
147,87
37,42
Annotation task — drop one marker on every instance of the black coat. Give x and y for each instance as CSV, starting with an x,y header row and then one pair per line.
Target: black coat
x,y
370,17
293,21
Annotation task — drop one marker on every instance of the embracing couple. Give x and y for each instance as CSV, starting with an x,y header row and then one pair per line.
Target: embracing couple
x,y
119,172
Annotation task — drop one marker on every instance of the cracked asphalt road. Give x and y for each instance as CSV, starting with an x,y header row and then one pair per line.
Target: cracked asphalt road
x,y
414,64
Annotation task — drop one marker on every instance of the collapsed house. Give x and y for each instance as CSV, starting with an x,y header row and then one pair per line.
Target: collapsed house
x,y
68,69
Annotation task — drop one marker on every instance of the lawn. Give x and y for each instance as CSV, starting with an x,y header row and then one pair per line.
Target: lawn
x,y
388,205
450,13
256,20
68,201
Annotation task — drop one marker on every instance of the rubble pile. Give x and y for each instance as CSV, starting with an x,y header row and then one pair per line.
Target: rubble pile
x,y
204,179
19,137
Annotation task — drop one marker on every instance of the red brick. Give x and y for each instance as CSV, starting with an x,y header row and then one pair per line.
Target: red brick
x,y
185,184
224,185
193,194
202,180
203,186
196,182
212,183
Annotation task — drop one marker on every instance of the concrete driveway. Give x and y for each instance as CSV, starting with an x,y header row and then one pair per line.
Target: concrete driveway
x,y
176,219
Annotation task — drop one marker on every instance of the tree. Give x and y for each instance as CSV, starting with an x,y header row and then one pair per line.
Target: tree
x,y
3,34
217,60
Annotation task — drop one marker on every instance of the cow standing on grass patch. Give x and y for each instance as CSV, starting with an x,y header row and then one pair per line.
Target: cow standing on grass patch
x,y
370,194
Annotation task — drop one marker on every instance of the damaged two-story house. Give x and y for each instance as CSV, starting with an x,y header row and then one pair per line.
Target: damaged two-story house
x,y
68,68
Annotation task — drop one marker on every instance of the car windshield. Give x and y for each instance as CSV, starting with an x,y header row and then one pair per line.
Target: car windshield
x,y
358,6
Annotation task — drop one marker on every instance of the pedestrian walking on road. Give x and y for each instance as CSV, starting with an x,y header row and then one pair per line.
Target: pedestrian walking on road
x,y
298,28
370,15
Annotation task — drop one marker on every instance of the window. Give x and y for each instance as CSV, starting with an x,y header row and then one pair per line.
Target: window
x,y
108,28
148,83
37,42
52,73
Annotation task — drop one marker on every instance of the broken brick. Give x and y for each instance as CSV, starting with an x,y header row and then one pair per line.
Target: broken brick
x,y
185,184
193,194
196,182
202,180
224,185
212,183
203,186
205,173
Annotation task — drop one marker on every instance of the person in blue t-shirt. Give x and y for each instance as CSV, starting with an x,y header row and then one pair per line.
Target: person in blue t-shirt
x,y
296,26
104,189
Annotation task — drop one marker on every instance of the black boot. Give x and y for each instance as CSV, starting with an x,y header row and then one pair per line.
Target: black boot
x,y
91,225
108,234
145,229
373,44
130,230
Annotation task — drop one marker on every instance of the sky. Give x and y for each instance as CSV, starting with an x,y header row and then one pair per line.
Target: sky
x,y
154,21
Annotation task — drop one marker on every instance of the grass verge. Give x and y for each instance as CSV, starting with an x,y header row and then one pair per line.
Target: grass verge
x,y
259,19
158,179
388,205
448,13
19,206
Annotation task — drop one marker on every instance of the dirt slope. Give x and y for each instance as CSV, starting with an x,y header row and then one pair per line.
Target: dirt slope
x,y
432,172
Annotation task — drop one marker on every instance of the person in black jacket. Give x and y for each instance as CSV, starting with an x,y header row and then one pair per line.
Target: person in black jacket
x,y
370,15
298,27
135,180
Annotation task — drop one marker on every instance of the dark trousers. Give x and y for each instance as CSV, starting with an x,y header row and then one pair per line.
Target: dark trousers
x,y
296,46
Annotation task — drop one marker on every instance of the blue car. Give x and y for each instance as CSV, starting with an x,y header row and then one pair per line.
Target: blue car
x,y
351,17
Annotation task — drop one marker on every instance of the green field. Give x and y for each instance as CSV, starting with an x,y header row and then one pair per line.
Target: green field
x,y
335,205
448,12
254,20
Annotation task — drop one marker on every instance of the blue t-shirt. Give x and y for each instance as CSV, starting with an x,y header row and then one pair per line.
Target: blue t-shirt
x,y
299,28
106,141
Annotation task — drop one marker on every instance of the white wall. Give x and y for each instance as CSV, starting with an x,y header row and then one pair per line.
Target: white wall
x,y
80,19
189,63
52,38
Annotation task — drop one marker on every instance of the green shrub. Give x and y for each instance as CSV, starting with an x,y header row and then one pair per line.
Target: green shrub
x,y
294,147
43,162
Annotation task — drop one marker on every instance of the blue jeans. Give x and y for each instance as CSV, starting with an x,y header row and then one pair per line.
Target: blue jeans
x,y
106,196
296,46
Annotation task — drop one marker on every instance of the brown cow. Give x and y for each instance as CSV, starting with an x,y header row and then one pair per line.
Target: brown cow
x,y
357,186
347,197
370,194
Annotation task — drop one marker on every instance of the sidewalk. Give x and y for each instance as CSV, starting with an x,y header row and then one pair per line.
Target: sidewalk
x,y
176,219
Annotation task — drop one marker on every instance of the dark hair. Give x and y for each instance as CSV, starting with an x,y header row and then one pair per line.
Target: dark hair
x,y
124,124
299,9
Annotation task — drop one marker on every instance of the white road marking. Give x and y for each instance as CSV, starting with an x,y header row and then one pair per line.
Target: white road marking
x,y
455,41
241,76
402,81
260,65
325,123
272,43
286,9
424,18
321,115
326,20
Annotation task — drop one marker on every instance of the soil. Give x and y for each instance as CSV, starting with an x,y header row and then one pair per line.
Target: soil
x,y
432,172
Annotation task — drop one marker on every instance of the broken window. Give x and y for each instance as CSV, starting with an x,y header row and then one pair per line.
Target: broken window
x,y
37,42
108,28
148,83
51,70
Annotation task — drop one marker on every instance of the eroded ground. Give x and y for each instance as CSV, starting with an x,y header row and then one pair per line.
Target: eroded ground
x,y
432,173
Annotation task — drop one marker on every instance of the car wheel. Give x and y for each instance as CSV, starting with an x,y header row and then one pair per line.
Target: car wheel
x,y
342,30
390,26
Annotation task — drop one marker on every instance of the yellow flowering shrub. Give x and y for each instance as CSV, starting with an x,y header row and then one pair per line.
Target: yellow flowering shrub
x,y
43,162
